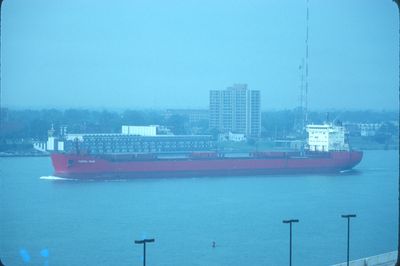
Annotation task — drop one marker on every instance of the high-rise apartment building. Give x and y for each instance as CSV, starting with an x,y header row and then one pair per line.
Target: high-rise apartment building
x,y
236,109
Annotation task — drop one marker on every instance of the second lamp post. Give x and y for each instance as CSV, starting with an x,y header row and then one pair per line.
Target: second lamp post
x,y
143,242
348,216
290,246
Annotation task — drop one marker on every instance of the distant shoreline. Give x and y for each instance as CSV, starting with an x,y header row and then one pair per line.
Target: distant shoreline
x,y
23,155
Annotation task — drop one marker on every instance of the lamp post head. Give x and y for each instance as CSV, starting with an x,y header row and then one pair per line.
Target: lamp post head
x,y
349,215
151,240
290,221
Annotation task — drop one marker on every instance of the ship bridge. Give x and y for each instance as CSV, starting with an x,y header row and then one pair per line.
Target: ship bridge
x,y
326,137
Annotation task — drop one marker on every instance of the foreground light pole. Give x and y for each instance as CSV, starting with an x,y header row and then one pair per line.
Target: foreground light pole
x,y
348,216
144,241
1,115
290,245
398,229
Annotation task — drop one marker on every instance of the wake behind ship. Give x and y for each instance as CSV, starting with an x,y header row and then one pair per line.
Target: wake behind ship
x,y
327,153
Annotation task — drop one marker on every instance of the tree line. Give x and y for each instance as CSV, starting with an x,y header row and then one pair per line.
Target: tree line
x,y
34,124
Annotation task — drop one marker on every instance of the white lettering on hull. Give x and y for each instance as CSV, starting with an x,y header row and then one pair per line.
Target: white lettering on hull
x,y
86,161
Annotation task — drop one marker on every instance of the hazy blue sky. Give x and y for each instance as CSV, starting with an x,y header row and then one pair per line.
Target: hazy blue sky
x,y
156,54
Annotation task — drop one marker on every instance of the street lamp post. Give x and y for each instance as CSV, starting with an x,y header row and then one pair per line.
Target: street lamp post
x,y
1,116
144,241
290,245
348,216
398,229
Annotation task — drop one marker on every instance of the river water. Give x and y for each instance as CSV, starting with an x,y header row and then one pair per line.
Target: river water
x,y
57,222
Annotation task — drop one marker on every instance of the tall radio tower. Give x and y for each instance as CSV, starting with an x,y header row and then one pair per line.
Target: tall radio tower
x,y
302,115
306,87
1,113
300,123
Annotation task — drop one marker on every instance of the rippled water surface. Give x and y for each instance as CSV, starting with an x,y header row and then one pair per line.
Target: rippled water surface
x,y
47,221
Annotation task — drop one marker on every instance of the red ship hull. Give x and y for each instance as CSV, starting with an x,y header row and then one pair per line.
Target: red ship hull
x,y
100,167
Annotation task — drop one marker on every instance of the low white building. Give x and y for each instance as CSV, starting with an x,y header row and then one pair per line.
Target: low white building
x,y
236,137
369,130
326,137
40,146
140,130
52,144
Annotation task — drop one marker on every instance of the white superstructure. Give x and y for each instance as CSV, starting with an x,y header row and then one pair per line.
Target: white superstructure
x,y
326,137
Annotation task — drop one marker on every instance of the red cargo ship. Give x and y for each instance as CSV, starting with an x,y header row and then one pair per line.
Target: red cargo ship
x,y
201,164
